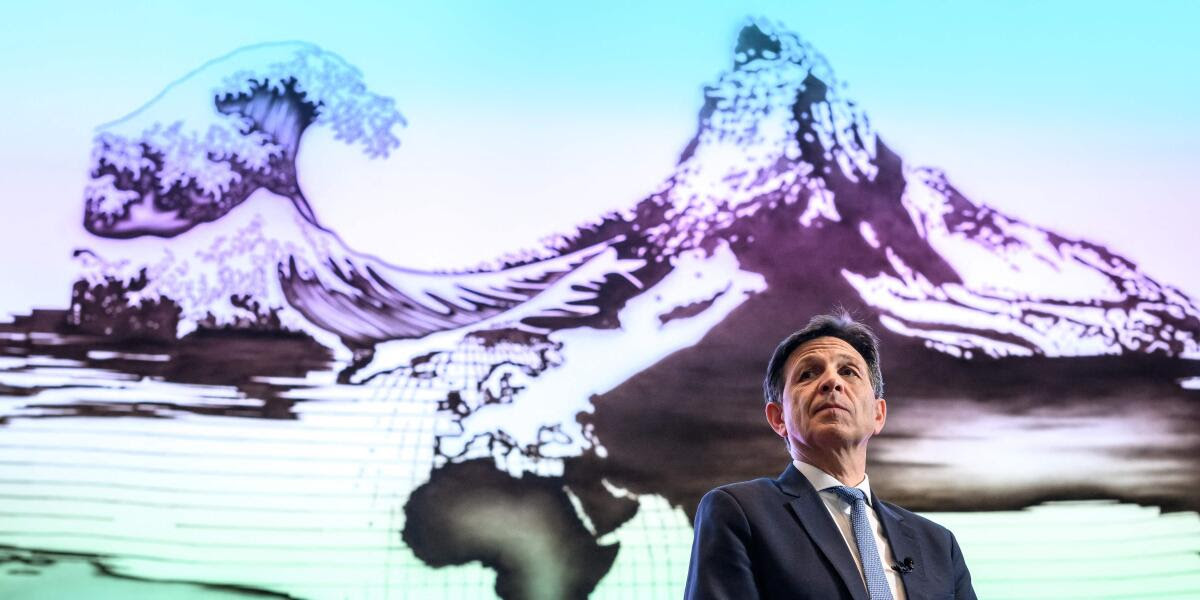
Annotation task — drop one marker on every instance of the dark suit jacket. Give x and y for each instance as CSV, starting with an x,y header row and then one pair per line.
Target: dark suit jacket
x,y
775,539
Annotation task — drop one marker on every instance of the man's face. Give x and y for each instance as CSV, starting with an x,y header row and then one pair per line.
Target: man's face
x,y
827,402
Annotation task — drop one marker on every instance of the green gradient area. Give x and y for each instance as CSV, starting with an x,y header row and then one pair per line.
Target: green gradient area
x,y
67,577
1091,549
1084,550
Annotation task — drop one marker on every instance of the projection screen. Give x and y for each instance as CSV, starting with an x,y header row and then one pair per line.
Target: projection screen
x,y
474,301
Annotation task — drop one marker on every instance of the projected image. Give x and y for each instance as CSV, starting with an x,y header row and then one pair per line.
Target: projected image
x,y
238,402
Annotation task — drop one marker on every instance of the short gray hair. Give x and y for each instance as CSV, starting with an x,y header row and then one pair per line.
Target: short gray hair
x,y
841,326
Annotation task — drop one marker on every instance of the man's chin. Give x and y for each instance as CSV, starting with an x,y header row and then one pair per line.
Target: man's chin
x,y
830,436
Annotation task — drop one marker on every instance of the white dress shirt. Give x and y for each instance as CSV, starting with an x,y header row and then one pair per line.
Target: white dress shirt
x,y
840,511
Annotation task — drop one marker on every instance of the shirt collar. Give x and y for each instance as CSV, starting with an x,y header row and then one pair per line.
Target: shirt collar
x,y
821,480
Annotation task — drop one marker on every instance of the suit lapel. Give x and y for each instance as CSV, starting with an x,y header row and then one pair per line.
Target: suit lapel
x,y
903,541
815,519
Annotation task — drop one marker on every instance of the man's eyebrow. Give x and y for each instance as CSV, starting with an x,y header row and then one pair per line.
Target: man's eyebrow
x,y
806,359
840,358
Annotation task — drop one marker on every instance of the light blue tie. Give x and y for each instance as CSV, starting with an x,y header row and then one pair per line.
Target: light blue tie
x,y
877,585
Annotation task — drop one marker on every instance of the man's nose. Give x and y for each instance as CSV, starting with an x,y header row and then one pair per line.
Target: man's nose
x,y
831,382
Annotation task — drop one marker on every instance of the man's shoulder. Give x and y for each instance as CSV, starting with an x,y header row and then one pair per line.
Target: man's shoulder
x,y
753,486
747,491
743,502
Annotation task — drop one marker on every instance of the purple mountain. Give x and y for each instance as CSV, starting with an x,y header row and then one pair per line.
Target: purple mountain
x,y
992,328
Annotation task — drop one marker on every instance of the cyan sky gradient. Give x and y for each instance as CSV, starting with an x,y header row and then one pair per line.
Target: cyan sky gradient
x,y
528,118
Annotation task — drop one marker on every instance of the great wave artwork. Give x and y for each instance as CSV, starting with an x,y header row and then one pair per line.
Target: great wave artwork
x,y
237,402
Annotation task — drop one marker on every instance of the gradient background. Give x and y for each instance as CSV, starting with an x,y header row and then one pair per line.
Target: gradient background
x,y
527,119
1076,116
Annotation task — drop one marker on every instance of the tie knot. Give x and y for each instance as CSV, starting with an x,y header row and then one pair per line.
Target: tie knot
x,y
850,494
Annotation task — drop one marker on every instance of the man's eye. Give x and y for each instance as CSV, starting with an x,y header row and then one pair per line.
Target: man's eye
x,y
849,371
804,375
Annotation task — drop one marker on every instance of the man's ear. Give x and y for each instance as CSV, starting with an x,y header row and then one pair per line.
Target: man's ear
x,y
775,419
880,414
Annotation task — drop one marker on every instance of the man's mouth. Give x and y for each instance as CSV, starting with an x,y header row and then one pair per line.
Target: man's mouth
x,y
827,407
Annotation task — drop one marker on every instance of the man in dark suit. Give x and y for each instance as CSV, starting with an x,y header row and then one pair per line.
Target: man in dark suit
x,y
817,531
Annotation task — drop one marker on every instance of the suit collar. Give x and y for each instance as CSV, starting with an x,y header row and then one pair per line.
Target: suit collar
x,y
814,518
792,482
903,540
810,511
821,480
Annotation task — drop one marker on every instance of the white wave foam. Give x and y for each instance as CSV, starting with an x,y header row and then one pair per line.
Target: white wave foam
x,y
193,143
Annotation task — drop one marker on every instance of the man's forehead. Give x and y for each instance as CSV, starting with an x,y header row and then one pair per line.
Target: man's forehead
x,y
823,347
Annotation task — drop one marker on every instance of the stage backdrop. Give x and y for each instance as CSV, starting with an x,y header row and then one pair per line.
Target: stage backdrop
x,y
465,302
